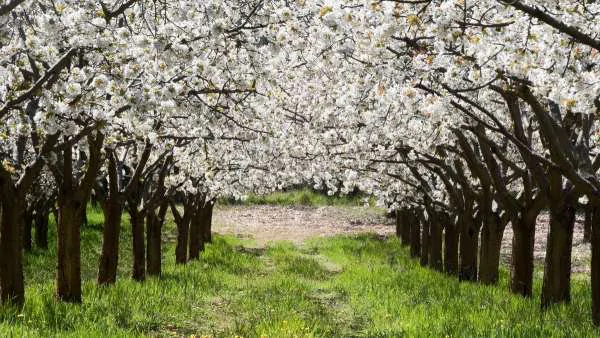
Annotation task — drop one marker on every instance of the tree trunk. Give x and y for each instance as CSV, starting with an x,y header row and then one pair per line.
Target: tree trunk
x,y
522,255
207,230
399,224
425,242
12,287
138,271
469,241
405,219
27,228
183,229
197,231
451,248
41,229
435,245
489,250
556,287
68,274
154,231
415,236
109,259
595,266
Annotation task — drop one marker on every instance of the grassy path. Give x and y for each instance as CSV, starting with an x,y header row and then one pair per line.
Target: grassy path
x,y
359,285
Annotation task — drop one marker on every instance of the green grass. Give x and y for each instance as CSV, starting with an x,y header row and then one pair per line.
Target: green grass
x,y
342,286
304,197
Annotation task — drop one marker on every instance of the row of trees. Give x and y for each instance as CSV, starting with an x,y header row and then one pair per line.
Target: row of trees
x,y
140,106
470,117
463,117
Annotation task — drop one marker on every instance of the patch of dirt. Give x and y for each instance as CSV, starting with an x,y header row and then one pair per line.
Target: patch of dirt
x,y
265,223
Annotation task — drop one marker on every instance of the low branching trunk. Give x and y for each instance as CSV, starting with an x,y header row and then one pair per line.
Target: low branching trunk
x,y
469,241
109,259
556,287
12,288
522,254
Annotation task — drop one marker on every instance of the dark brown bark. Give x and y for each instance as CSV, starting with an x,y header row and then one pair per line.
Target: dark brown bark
x,y
425,235
12,287
398,215
451,235
153,247
41,229
556,287
405,219
109,258
415,235
469,241
138,271
207,229
182,221
154,223
199,222
489,250
435,245
68,274
522,255
27,229
595,266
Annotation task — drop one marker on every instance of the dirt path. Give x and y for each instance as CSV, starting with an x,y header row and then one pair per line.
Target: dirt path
x,y
265,223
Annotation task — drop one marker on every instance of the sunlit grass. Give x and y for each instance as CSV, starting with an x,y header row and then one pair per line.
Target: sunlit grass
x,y
303,197
330,287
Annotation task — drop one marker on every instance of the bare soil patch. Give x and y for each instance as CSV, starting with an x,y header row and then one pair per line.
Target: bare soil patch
x,y
265,223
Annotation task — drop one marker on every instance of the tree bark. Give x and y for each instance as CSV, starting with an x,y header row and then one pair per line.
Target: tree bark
x,y
556,287
469,241
153,245
182,221
155,220
425,241
199,222
68,274
435,245
489,250
41,229
27,229
451,235
595,266
138,271
207,230
405,219
12,288
522,254
109,259
415,236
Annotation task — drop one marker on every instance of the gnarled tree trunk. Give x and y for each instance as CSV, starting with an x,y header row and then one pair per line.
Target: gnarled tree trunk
x,y
109,259
138,271
469,241
41,229
489,250
68,272
522,254
435,245
425,242
556,287
415,235
12,288
451,235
